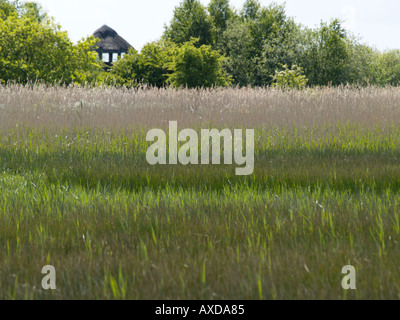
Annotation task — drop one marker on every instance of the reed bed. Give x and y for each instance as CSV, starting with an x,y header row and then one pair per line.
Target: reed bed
x,y
112,108
77,193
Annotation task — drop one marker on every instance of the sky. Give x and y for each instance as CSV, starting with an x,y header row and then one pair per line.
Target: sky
x,y
142,21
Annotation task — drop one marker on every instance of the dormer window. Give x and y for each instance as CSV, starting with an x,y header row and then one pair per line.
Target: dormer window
x,y
106,57
114,57
122,54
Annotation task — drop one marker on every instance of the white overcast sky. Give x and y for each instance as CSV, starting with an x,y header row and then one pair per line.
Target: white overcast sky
x,y
142,21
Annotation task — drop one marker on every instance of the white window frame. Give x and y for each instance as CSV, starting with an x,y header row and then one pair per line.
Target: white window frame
x,y
114,57
104,55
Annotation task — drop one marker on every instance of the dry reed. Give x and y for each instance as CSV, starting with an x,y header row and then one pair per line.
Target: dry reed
x,y
111,108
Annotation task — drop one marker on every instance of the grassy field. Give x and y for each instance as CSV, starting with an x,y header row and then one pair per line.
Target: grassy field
x,y
77,193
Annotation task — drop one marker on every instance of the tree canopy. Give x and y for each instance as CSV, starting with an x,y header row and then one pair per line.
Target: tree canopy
x,y
190,20
197,67
254,46
33,48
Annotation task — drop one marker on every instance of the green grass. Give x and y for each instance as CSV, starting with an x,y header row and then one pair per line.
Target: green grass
x,y
114,227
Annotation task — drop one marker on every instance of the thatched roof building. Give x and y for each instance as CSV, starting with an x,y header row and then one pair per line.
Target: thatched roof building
x,y
111,45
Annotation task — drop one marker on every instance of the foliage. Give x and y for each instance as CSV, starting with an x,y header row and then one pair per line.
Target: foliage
x,y
236,44
190,20
293,78
126,71
389,68
362,65
161,63
250,9
33,10
245,47
282,49
197,67
34,48
146,67
154,59
221,13
6,9
326,54
259,43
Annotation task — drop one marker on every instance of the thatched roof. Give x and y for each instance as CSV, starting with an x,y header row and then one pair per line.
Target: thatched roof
x,y
110,40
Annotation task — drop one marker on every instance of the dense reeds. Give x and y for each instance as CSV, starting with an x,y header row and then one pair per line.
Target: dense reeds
x,y
49,107
76,192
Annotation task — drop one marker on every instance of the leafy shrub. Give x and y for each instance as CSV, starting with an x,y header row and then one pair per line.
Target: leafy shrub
x,y
197,67
290,78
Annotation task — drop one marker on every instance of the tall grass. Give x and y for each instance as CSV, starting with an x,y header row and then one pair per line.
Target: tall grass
x,y
76,192
119,109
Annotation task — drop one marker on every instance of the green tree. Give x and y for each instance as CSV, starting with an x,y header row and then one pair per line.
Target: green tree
x,y
33,50
283,48
236,44
259,43
251,9
126,71
26,9
82,63
190,20
149,66
326,54
34,11
154,59
362,65
388,65
221,13
269,23
197,67
292,78
6,9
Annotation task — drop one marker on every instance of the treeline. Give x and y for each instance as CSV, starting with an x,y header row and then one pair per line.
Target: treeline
x,y
202,46
33,48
